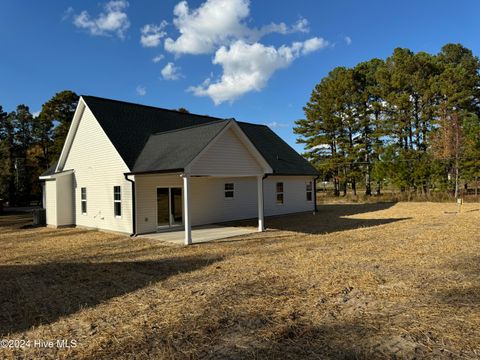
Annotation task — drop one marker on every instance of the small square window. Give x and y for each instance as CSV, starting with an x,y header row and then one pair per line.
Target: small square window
x,y
229,190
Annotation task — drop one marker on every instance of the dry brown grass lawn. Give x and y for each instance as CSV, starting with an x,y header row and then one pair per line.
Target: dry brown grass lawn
x,y
355,281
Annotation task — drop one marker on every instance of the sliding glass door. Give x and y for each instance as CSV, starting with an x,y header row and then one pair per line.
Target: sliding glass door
x,y
163,210
169,207
176,206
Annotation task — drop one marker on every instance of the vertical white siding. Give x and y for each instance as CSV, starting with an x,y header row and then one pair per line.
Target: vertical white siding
x,y
227,155
51,202
98,167
295,197
65,203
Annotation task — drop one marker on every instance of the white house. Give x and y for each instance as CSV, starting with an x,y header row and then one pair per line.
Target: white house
x,y
139,169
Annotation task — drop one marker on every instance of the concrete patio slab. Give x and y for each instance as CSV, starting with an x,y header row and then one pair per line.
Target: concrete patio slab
x,y
201,234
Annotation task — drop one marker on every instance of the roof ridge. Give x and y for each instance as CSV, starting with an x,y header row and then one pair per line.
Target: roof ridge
x,y
219,121
151,107
249,123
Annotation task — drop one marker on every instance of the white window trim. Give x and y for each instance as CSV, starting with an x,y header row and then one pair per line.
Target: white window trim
x,y
280,192
83,200
309,191
117,201
225,192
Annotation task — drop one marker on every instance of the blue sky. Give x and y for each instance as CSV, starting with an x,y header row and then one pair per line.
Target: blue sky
x,y
256,61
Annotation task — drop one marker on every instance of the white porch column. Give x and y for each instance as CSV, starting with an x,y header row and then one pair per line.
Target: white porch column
x,y
261,226
186,209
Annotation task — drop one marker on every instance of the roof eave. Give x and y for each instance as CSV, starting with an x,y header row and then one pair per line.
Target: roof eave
x,y
163,171
55,175
294,174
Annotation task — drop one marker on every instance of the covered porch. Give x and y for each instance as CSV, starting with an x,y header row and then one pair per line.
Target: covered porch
x,y
182,208
200,234
216,176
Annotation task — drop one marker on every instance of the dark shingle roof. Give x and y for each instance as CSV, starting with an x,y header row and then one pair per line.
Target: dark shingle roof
x,y
129,126
170,151
146,139
279,155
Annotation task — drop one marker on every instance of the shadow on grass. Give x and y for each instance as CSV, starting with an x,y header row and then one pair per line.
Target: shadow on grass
x,y
9,219
32,295
235,322
294,340
330,218
353,209
463,295
297,340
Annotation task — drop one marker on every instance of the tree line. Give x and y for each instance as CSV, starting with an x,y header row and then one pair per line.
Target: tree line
x,y
30,144
410,122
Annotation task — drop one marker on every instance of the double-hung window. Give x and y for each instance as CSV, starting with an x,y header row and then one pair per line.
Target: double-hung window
x,y
229,190
279,193
117,201
83,198
309,191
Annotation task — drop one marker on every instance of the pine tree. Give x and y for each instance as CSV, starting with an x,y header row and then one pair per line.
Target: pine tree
x,y
23,141
470,164
43,138
458,87
400,121
7,171
59,111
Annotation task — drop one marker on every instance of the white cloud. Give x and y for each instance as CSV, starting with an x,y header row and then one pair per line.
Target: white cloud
x,y
171,72
152,34
36,113
158,58
219,22
141,90
67,13
301,26
113,20
248,67
323,149
275,124
222,28
202,29
313,44
348,40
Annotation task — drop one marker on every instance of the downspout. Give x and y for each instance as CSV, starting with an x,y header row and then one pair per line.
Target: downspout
x,y
263,202
134,215
315,209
